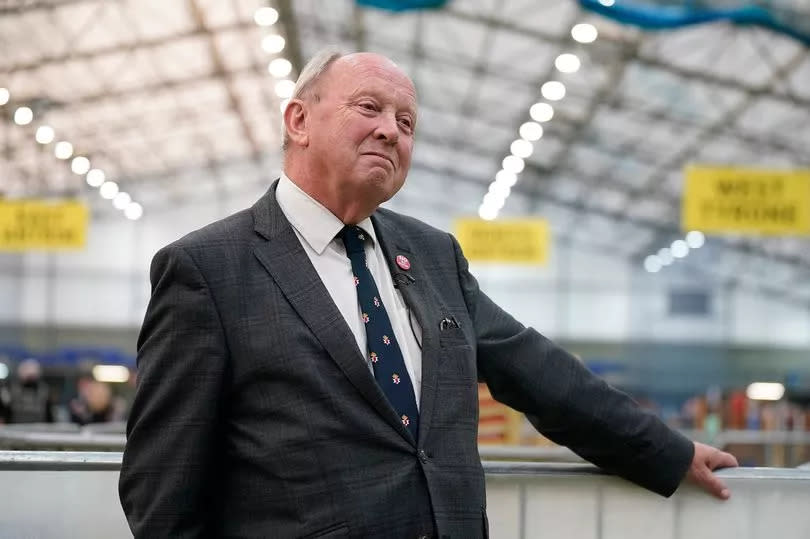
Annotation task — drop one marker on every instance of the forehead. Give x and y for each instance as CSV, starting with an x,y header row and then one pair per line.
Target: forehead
x,y
381,78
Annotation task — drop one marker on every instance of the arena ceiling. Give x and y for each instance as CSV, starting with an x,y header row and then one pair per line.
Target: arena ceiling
x,y
173,100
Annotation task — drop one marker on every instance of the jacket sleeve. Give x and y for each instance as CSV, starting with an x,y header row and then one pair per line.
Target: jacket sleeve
x,y
566,402
167,475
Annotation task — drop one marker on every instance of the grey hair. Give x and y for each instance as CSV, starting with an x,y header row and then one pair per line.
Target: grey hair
x,y
310,74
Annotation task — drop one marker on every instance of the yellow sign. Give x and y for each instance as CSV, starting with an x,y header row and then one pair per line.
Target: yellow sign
x,y
517,241
759,201
32,224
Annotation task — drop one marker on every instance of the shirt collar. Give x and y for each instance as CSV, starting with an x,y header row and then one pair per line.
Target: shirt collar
x,y
316,224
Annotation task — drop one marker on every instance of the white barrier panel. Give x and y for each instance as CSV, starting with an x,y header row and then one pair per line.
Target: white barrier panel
x,y
74,494
546,500
50,495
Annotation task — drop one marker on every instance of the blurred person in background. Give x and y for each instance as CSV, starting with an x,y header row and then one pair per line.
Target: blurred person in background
x,y
123,399
309,366
30,398
94,403
5,402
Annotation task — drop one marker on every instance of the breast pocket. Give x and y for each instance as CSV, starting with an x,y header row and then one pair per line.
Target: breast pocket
x,y
452,337
456,359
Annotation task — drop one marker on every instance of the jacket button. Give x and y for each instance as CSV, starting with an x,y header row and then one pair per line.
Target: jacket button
x,y
422,456
423,537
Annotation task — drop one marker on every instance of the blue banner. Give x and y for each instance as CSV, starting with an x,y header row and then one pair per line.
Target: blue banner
x,y
402,5
67,356
782,16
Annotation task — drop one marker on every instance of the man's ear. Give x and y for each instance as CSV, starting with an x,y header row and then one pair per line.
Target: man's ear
x,y
296,119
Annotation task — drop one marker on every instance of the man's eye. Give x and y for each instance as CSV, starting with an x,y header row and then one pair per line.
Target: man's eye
x,y
367,106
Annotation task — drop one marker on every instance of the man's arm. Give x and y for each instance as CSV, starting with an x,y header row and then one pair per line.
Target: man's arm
x,y
571,405
166,476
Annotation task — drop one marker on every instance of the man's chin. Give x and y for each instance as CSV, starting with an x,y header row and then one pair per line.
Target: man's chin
x,y
383,183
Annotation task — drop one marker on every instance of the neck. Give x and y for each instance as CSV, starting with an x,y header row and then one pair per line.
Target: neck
x,y
345,204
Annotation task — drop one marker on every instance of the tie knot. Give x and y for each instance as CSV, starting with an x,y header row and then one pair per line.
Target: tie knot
x,y
353,238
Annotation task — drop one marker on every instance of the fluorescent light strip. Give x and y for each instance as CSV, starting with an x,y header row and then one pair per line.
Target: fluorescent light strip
x,y
532,131
63,150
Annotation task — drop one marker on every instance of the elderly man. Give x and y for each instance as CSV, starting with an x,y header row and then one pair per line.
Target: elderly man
x,y
308,367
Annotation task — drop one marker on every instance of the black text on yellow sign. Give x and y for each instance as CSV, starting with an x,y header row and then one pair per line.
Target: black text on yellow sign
x,y
33,224
740,200
517,241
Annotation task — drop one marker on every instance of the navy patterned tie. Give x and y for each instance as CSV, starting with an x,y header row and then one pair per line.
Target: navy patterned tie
x,y
383,350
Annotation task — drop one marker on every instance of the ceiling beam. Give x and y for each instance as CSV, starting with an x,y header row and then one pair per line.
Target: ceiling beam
x,y
220,70
93,99
416,50
18,7
128,47
358,27
292,48
479,68
713,79
646,60
657,115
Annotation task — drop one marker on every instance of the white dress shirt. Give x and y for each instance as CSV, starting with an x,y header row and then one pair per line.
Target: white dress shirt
x,y
316,228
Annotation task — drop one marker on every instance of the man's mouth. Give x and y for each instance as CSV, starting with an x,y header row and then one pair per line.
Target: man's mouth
x,y
382,155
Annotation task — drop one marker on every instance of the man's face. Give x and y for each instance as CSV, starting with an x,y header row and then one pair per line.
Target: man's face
x,y
361,130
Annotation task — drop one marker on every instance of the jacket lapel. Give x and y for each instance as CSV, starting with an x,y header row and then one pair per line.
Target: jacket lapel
x,y
422,302
281,253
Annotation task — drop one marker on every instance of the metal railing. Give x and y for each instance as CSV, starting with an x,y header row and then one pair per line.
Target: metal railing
x,y
74,494
63,437
110,437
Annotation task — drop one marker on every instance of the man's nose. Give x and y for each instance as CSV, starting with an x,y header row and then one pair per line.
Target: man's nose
x,y
387,128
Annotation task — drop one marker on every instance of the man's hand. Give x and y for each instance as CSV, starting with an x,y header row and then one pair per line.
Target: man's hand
x,y
706,459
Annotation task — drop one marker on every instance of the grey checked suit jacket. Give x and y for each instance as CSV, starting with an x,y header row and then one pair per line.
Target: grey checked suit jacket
x,y
256,415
